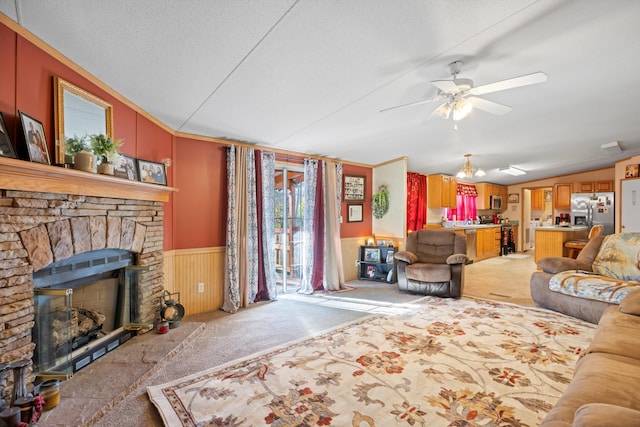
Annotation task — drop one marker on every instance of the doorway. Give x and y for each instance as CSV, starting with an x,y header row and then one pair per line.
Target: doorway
x,y
289,223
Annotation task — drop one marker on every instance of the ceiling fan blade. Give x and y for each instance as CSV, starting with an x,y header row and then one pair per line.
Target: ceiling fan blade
x,y
526,80
446,86
489,106
411,104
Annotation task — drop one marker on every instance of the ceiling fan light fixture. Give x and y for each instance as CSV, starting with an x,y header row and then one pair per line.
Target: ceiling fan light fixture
x,y
444,110
512,171
461,109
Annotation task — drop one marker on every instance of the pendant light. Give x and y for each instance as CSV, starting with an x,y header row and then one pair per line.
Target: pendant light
x,y
467,170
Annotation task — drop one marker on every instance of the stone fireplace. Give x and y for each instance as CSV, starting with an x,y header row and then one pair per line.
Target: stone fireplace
x,y
39,229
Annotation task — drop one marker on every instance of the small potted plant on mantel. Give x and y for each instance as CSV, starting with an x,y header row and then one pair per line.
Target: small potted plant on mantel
x,y
79,153
107,150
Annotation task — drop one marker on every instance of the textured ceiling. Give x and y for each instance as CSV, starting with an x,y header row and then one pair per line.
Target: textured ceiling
x,y
311,76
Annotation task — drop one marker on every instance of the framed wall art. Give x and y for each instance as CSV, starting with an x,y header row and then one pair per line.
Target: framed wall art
x,y
152,172
34,139
353,188
354,213
372,254
6,147
631,171
128,169
514,198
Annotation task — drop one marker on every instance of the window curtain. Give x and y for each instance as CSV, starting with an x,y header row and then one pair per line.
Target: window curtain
x,y
249,261
465,203
322,251
416,201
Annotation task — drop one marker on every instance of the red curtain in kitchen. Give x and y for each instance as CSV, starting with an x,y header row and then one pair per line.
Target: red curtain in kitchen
x,y
465,203
416,201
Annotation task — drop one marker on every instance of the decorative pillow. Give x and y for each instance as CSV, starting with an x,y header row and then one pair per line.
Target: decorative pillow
x,y
619,257
631,304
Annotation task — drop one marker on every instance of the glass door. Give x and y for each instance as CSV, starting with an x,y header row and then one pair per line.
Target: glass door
x,y
289,214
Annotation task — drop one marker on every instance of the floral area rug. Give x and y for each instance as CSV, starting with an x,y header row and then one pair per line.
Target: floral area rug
x,y
448,363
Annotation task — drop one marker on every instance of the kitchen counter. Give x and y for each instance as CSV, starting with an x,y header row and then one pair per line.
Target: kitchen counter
x,y
550,240
561,228
474,226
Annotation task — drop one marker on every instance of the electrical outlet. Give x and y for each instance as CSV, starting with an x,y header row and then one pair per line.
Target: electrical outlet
x,y
200,287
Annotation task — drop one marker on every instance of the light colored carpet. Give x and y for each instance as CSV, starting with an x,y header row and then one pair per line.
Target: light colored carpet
x,y
443,362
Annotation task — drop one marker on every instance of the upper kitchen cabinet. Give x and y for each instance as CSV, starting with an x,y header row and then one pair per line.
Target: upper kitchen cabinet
x,y
441,191
537,199
593,187
562,196
486,190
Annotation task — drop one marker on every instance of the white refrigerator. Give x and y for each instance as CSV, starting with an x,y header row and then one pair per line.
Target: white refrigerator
x,y
593,209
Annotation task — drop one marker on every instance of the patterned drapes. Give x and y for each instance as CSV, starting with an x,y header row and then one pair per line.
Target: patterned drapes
x,y
416,201
467,190
249,260
322,267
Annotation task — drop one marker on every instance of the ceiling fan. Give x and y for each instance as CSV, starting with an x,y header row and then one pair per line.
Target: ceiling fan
x,y
460,96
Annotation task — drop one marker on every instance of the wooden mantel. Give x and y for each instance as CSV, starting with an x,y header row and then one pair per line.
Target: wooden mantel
x,y
22,175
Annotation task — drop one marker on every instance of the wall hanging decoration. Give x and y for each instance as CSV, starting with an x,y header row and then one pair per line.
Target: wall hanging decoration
x,y
380,202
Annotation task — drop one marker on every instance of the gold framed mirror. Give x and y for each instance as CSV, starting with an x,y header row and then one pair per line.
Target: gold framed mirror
x,y
78,112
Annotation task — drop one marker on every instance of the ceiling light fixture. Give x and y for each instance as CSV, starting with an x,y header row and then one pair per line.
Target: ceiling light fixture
x,y
512,171
444,110
461,109
467,170
611,148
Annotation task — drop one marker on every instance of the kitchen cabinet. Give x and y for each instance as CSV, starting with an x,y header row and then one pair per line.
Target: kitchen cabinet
x,y
562,196
488,242
550,240
593,187
486,190
537,200
441,191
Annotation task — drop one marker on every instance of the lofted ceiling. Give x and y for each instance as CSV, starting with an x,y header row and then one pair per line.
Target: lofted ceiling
x,y
311,76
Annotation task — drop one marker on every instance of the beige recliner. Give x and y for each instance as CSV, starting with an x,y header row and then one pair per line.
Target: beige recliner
x,y
433,263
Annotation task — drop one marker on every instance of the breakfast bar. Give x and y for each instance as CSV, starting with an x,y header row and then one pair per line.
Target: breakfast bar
x,y
550,240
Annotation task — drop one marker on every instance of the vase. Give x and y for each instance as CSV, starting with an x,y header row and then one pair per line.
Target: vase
x,y
84,161
105,169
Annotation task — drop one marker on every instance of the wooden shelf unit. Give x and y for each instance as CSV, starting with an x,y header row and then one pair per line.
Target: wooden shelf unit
x,y
377,270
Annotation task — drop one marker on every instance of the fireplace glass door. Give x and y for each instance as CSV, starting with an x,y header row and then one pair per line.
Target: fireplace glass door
x,y
86,307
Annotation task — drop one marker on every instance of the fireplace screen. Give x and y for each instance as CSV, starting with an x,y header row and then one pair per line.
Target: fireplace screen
x,y
87,315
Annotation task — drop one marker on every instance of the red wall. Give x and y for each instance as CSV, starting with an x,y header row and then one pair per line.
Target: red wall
x,y
195,217
200,204
358,229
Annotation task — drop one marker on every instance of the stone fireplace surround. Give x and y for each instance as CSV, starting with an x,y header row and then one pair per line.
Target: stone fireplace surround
x,y
39,228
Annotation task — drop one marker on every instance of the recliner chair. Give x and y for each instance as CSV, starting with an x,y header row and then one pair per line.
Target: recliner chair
x,y
433,263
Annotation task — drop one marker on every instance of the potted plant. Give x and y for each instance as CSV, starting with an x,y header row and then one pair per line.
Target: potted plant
x,y
107,150
78,152
380,202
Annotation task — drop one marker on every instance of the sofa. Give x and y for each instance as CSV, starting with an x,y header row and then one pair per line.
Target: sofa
x,y
605,271
433,263
604,388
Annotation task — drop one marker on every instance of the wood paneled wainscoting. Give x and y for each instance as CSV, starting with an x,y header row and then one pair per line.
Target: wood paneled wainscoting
x,y
184,269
